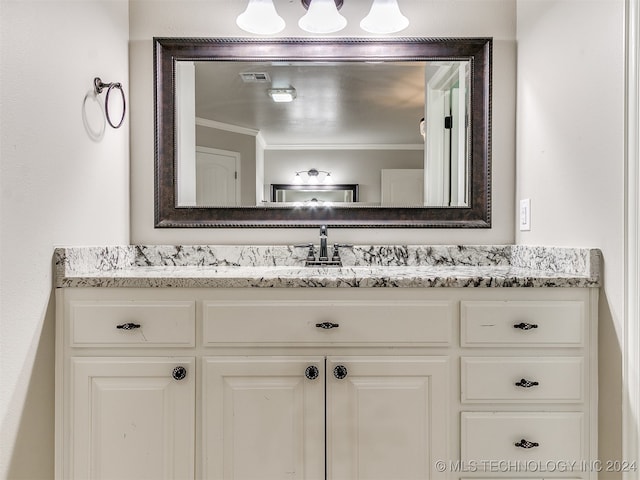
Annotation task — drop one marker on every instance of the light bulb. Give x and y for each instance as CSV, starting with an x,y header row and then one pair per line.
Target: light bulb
x,y
322,17
260,17
384,17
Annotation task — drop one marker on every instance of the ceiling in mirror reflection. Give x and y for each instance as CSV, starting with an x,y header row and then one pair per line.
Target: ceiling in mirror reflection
x,y
353,103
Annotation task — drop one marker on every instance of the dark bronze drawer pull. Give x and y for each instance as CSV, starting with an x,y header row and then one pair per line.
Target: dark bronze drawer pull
x,y
526,383
128,326
526,444
327,325
525,326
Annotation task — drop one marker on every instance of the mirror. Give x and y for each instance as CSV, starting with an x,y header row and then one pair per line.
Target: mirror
x,y
315,195
224,145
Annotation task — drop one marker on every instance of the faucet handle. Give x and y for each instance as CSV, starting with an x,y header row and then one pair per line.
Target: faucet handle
x,y
311,254
336,252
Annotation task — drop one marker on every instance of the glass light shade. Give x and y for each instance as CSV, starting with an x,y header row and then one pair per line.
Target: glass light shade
x,y
384,17
322,17
297,179
260,17
328,180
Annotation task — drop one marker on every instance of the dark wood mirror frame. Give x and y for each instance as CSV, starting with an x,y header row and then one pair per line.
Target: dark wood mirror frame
x,y
477,50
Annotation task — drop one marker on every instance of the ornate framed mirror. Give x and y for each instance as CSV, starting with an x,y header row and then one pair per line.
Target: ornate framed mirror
x,y
408,120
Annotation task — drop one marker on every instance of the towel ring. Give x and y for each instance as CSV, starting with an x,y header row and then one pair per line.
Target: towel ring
x,y
98,86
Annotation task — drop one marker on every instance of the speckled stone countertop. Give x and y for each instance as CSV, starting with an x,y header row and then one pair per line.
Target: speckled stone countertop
x,y
416,266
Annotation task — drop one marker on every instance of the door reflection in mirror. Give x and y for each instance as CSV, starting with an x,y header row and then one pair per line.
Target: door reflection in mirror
x,y
447,134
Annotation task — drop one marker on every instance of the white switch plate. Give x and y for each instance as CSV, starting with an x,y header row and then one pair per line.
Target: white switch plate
x,y
525,215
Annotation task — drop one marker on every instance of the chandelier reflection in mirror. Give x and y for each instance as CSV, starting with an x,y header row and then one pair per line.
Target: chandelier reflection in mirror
x,y
322,16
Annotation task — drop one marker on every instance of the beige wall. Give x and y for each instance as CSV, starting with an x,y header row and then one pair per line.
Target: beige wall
x,y
494,18
570,141
58,187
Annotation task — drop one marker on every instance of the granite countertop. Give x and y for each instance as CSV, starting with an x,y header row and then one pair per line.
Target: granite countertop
x,y
417,266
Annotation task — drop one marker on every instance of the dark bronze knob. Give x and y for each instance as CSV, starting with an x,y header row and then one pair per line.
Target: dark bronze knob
x,y
526,383
311,372
179,373
127,326
525,326
526,444
340,372
327,325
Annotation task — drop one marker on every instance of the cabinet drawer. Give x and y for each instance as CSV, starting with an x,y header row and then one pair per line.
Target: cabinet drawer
x,y
522,323
511,379
492,437
136,323
349,323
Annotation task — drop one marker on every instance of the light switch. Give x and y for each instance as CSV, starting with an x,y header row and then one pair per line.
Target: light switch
x,y
525,215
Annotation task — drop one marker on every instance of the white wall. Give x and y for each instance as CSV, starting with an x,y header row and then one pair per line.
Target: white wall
x,y
570,157
57,186
493,18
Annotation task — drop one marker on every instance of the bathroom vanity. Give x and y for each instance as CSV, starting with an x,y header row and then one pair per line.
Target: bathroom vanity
x,y
409,362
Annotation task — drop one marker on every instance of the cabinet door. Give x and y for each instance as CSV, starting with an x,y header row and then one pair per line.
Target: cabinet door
x,y
263,418
387,417
130,419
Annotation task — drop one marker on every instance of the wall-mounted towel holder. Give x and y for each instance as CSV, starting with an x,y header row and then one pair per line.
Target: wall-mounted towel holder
x,y
98,86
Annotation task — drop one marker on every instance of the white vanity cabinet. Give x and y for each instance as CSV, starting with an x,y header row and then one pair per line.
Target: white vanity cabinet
x,y
266,418
323,383
387,418
129,418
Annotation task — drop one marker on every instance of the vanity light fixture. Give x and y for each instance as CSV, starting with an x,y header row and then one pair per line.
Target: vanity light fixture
x,y
322,17
260,17
422,131
282,95
313,177
384,17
